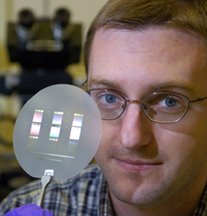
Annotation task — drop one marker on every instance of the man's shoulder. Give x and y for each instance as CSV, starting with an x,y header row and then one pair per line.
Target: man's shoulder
x,y
90,176
68,192
91,172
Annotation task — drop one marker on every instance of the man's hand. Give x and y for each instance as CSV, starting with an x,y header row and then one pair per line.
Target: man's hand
x,y
29,210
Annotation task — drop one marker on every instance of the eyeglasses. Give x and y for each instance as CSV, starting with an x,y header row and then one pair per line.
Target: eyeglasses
x,y
160,107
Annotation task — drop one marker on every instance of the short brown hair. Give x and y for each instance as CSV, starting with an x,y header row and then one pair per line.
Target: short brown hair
x,y
188,15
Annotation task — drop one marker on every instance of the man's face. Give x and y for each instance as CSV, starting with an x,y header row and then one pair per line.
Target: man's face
x,y
145,162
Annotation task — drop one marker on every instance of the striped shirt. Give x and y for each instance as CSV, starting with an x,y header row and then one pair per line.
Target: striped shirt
x,y
84,195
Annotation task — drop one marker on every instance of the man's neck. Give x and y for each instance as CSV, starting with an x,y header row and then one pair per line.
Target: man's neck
x,y
182,206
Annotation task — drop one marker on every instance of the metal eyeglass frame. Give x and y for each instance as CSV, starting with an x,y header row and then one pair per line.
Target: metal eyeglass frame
x,y
143,106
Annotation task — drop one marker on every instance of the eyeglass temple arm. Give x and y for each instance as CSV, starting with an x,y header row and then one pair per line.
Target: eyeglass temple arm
x,y
198,99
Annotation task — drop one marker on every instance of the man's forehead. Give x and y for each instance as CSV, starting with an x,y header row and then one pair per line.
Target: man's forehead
x,y
105,63
167,41
156,30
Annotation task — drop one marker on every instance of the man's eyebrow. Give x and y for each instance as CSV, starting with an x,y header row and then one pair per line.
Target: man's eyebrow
x,y
171,85
104,83
174,85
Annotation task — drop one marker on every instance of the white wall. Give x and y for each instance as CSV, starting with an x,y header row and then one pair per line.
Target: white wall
x,y
3,18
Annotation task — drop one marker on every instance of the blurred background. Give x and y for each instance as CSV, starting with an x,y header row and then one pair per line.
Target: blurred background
x,y
40,45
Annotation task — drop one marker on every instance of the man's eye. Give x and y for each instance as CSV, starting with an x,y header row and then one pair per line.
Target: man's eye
x,y
107,98
110,98
169,102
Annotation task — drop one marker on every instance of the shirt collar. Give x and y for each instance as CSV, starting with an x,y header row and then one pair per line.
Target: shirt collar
x,y
201,209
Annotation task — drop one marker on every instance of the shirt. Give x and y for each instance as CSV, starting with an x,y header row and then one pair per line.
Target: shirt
x,y
84,195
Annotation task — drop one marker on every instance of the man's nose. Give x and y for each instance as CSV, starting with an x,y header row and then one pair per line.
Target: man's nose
x,y
135,129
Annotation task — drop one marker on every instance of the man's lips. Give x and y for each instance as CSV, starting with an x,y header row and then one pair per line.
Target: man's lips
x,y
137,165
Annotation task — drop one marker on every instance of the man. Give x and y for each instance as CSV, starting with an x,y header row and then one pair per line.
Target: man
x,y
146,64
